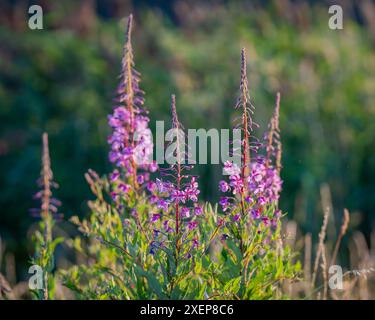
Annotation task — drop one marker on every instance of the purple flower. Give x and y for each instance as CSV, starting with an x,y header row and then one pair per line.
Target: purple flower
x,y
114,176
153,167
178,196
224,202
248,199
255,213
185,212
274,222
262,201
266,221
162,186
140,179
277,213
113,195
154,199
257,177
125,188
192,225
237,183
151,186
231,168
224,186
192,190
195,243
167,228
163,204
122,114
113,156
265,182
198,210
114,122
155,217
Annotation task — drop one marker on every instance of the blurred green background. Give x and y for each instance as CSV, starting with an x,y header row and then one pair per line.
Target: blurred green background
x,y
62,80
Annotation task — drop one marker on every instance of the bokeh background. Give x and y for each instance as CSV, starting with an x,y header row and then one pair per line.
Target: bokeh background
x,y
62,80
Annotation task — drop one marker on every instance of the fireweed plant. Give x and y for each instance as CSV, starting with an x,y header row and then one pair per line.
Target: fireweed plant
x,y
149,237
251,222
175,240
43,238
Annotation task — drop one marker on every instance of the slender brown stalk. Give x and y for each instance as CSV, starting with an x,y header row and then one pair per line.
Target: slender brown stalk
x,y
322,236
343,229
307,264
46,174
279,147
128,78
244,103
273,136
247,123
270,142
128,63
324,272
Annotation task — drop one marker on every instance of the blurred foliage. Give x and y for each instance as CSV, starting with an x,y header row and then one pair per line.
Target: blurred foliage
x,y
62,80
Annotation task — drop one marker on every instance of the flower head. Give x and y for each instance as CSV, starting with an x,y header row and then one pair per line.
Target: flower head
x,y
224,186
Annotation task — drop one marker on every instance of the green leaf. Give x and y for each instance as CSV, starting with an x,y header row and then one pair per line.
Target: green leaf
x,y
153,282
233,285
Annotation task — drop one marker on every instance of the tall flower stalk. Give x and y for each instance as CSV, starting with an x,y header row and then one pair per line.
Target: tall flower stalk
x,y
254,187
48,213
177,194
272,138
251,216
248,141
257,182
131,139
244,103
177,126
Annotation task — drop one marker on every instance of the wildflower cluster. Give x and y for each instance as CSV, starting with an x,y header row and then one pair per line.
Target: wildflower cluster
x,y
151,238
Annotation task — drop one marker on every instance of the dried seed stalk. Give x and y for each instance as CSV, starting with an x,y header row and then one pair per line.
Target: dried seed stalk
x,y
343,229
322,236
